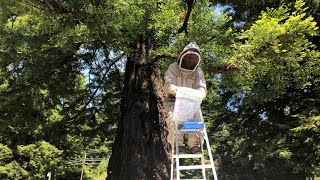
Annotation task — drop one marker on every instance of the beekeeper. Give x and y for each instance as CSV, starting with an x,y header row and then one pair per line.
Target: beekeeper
x,y
184,73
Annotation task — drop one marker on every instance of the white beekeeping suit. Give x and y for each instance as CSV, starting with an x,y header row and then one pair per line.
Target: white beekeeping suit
x,y
184,73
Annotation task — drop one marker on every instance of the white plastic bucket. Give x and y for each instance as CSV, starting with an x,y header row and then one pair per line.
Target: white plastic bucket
x,y
187,105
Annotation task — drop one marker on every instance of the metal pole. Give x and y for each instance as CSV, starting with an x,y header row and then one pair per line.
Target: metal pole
x,y
49,175
84,160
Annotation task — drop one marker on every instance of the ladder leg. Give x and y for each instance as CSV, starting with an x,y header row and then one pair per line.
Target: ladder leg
x,y
202,160
210,155
176,137
172,154
200,119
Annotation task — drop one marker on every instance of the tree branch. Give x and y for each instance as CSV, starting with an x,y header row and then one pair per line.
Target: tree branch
x,y
51,7
97,89
226,68
184,26
162,56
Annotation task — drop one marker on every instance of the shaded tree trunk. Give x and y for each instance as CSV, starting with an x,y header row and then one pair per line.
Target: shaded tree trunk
x,y
140,150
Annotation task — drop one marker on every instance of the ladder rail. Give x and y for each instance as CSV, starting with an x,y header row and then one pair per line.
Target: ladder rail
x,y
210,155
172,156
203,162
177,152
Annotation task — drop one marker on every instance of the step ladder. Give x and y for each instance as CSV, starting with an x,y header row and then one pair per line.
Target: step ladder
x,y
199,129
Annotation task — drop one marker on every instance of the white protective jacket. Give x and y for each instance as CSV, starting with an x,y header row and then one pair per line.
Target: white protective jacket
x,y
176,77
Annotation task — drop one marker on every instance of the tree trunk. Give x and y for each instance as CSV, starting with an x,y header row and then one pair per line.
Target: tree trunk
x,y
140,150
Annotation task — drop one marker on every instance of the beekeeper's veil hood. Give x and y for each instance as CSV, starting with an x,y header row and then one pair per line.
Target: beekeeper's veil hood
x,y
189,58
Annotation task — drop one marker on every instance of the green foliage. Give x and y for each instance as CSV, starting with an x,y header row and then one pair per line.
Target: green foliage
x,y
9,168
13,170
6,154
206,28
267,124
166,20
96,173
42,158
44,88
275,53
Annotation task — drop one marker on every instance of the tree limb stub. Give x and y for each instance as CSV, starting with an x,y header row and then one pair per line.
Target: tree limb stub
x,y
163,56
226,68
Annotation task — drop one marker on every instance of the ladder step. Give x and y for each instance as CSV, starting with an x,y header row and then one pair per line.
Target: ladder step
x,y
188,156
195,167
189,131
192,125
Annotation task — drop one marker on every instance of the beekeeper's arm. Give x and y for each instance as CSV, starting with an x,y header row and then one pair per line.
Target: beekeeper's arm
x,y
200,83
170,78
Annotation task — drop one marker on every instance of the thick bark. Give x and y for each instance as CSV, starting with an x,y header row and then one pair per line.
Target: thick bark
x,y
140,150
